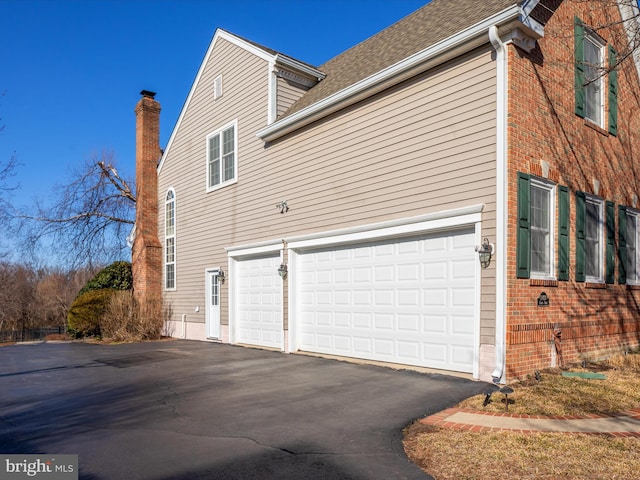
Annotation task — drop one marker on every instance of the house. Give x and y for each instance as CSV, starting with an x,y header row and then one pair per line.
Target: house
x,y
458,192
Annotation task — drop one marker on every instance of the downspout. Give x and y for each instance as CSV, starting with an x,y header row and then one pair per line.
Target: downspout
x,y
501,202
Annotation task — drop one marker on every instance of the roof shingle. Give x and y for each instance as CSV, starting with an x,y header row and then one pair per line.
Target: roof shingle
x,y
421,29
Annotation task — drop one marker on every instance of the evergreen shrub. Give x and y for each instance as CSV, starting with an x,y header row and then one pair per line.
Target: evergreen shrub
x,y
116,276
86,311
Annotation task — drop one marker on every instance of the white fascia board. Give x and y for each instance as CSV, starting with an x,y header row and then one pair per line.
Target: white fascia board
x,y
430,222
390,75
220,34
301,67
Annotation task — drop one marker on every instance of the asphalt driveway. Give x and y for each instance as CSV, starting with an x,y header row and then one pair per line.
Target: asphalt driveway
x,y
196,410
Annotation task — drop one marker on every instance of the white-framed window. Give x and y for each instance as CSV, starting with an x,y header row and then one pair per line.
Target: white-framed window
x,y
631,240
222,156
594,62
170,240
217,87
594,239
541,217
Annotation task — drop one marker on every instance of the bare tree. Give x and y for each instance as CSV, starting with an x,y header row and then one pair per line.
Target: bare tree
x,y
628,34
55,291
620,19
16,296
37,297
90,219
7,187
7,172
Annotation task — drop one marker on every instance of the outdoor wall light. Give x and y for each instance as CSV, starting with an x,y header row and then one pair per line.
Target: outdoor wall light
x,y
282,270
282,206
221,276
485,251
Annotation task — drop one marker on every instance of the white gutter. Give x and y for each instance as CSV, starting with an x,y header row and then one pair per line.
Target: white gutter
x,y
389,76
501,202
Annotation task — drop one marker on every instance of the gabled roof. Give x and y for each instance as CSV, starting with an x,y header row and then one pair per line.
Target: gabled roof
x,y
272,56
431,35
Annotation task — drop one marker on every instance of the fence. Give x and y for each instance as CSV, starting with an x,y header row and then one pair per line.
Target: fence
x,y
29,334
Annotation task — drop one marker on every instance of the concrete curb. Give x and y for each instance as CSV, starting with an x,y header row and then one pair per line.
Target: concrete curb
x,y
625,424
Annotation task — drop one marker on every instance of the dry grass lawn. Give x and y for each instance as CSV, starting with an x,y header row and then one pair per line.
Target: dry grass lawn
x,y
457,454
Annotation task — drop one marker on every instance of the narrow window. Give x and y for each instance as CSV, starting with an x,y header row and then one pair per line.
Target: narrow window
x,y
170,240
631,241
228,154
593,76
217,87
593,232
535,257
593,84
541,218
222,158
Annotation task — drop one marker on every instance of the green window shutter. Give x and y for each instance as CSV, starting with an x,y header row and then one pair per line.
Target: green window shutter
x,y
613,92
581,211
563,233
622,244
523,249
610,247
578,33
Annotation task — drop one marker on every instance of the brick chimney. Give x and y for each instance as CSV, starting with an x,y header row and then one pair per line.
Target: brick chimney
x,y
146,252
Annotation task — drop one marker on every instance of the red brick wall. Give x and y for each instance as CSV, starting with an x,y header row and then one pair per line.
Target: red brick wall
x,y
593,320
147,250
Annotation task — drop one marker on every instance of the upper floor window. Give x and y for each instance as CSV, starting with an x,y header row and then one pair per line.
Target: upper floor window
x,y
593,79
170,240
222,158
596,79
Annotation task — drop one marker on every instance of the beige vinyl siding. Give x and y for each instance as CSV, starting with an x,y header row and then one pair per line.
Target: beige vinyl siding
x,y
288,93
199,236
378,159
424,146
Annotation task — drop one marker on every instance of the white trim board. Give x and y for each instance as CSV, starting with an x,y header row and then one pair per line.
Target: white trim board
x,y
430,222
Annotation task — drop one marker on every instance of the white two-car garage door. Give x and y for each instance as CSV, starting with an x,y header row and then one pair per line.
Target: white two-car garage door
x,y
409,301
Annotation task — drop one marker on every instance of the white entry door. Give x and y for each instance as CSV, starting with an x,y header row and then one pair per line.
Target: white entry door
x,y
213,304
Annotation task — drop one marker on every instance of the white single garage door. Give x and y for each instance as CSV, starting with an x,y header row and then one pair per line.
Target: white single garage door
x,y
259,302
409,301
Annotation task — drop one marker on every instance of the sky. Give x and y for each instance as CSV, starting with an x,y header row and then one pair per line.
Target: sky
x,y
71,71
